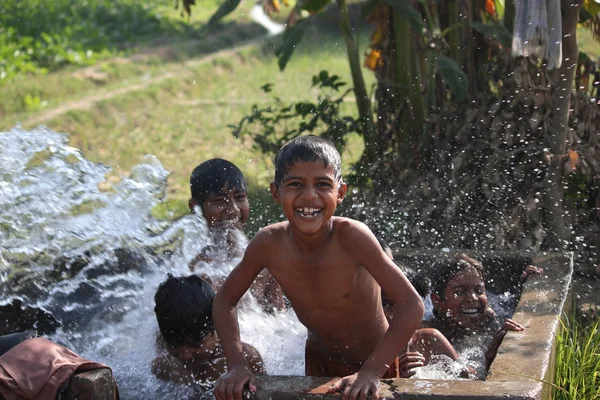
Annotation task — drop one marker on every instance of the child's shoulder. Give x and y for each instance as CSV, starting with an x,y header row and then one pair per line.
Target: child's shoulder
x,y
270,234
348,226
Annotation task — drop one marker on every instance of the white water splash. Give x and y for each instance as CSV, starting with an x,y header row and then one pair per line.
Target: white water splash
x,y
94,260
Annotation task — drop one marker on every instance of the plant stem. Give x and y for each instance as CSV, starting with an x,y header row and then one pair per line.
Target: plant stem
x,y
363,101
557,140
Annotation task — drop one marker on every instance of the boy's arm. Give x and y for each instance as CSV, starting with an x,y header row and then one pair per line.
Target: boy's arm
x,y
361,244
231,385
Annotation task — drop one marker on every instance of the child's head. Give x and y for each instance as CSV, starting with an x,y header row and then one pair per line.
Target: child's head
x,y
183,308
309,148
308,183
218,187
458,292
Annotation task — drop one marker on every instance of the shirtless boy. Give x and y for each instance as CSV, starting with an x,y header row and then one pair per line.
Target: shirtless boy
x,y
219,192
332,270
189,347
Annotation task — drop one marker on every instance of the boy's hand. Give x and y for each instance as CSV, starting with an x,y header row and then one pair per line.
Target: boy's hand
x,y
530,270
357,386
231,385
510,325
408,361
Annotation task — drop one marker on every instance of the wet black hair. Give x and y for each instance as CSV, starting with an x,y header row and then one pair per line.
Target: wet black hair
x,y
212,175
309,148
183,308
444,270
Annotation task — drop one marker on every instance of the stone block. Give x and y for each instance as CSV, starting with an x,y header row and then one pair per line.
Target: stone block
x,y
97,384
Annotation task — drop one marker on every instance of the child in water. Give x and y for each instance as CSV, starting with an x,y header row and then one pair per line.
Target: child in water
x,y
331,270
219,191
463,318
183,308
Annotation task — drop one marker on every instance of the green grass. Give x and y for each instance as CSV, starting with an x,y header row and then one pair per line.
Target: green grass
x,y
578,362
588,44
182,119
37,36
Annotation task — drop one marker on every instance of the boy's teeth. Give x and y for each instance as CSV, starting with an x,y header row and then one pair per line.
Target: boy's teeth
x,y
470,311
307,210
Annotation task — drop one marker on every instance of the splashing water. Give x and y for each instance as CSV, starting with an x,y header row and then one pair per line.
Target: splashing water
x,y
94,259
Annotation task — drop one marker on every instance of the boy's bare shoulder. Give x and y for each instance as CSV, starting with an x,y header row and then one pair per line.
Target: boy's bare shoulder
x,y
270,235
349,227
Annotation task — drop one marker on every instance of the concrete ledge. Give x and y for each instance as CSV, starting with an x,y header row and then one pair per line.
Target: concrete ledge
x,y
524,360
98,384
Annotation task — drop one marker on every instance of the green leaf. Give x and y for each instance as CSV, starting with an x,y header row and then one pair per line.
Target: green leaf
x,y
267,87
498,30
454,77
406,10
313,6
291,38
224,9
592,7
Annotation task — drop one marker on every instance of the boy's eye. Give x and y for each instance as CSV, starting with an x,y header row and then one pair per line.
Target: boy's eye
x,y
241,196
325,184
293,184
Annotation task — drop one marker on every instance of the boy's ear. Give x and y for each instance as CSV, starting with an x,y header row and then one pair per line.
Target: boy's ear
x,y
275,193
192,203
342,189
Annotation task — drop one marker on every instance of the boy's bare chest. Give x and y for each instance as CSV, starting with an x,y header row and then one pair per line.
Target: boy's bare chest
x,y
319,281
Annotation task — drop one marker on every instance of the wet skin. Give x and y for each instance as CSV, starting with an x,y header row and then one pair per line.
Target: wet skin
x,y
331,269
465,302
229,208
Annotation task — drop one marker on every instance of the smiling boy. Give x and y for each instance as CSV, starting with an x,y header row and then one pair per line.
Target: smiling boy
x,y
332,270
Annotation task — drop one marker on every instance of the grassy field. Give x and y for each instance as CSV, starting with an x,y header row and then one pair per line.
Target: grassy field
x,y
176,101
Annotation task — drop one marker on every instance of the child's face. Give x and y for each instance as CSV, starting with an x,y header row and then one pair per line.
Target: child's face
x,y
465,300
228,208
309,195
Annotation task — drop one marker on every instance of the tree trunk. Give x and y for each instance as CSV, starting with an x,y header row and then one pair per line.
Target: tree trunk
x,y
363,102
557,232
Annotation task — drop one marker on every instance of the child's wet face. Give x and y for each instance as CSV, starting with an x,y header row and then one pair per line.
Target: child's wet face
x,y
309,195
465,299
228,208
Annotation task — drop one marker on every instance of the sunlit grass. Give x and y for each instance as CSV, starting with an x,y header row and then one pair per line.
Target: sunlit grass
x,y
183,119
578,361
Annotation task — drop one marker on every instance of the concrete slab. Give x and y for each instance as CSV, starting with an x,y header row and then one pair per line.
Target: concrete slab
x,y
524,366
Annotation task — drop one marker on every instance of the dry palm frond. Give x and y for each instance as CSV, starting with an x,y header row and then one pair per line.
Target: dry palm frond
x,y
593,24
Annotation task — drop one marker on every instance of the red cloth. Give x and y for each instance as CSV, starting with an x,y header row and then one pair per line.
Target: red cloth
x,y
318,365
38,368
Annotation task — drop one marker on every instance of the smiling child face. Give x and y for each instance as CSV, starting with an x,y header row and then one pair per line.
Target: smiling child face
x,y
309,195
465,299
228,208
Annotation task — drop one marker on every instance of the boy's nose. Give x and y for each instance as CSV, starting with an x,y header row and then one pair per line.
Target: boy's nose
x,y
309,192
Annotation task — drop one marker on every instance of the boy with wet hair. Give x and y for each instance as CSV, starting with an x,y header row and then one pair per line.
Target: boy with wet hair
x,y
183,308
463,317
218,188
332,270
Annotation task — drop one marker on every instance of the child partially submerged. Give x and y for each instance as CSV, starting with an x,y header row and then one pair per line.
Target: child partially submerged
x,y
191,349
462,318
332,270
218,190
